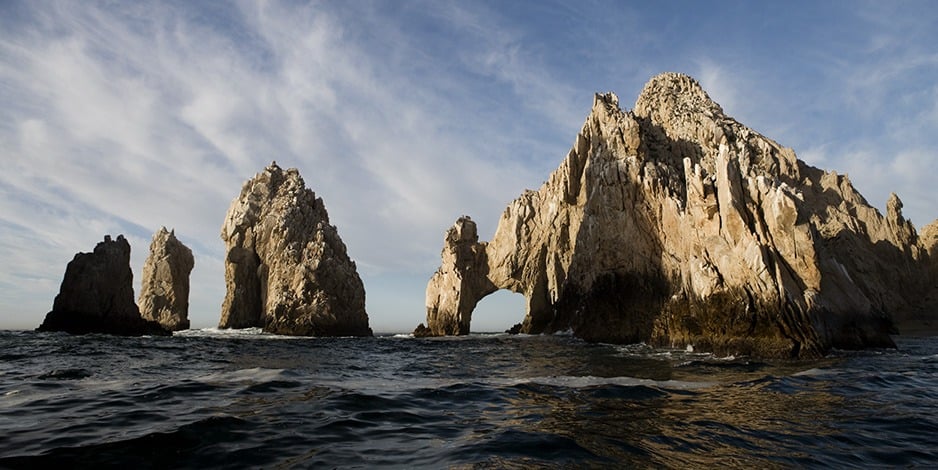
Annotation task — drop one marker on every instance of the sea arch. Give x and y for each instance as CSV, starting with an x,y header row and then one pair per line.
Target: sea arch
x,y
499,311
469,272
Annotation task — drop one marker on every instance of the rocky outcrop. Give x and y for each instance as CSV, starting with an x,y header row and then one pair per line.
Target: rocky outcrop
x,y
461,282
928,242
164,293
97,295
286,268
675,225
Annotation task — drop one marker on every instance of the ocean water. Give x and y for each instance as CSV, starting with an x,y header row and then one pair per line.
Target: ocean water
x,y
244,399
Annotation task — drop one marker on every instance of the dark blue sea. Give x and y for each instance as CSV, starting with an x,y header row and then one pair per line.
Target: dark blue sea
x,y
244,399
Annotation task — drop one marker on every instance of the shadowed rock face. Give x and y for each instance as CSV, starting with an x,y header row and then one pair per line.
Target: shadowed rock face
x,y
675,225
286,268
97,295
164,296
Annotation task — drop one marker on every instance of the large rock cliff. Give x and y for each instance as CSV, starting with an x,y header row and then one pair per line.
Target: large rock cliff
x,y
286,268
675,225
164,293
97,295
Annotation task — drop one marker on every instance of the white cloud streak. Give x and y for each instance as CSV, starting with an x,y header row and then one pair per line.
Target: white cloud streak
x,y
123,120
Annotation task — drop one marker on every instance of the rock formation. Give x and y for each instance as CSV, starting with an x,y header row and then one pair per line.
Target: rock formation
x,y
286,268
97,295
461,282
675,225
928,242
164,293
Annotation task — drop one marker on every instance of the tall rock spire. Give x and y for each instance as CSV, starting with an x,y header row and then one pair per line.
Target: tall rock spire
x,y
164,293
286,269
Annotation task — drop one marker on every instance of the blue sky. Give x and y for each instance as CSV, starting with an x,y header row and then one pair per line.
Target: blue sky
x,y
121,117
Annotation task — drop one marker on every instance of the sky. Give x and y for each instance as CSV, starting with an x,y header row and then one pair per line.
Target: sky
x,y
122,117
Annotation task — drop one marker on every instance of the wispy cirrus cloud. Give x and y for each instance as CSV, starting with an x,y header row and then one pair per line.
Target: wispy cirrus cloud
x,y
123,120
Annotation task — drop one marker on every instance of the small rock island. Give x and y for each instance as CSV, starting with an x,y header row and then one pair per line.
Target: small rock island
x,y
673,224
164,293
286,269
97,295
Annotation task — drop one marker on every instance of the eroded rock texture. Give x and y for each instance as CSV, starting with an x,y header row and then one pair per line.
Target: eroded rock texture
x,y
928,240
675,225
97,295
164,293
460,283
286,269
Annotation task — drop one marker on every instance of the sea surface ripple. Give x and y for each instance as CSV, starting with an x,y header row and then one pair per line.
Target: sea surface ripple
x,y
245,399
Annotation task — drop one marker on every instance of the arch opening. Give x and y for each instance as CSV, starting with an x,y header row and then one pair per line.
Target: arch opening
x,y
498,312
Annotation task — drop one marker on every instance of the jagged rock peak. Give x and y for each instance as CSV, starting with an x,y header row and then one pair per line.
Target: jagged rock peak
x,y
464,230
675,94
286,268
607,99
97,295
673,107
164,293
928,239
928,243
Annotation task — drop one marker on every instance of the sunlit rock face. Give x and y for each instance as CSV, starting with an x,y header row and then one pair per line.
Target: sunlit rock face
x,y
459,284
286,269
164,293
97,295
675,225
928,310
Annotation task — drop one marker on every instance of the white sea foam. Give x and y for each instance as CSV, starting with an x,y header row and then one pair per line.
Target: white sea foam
x,y
592,381
253,374
813,372
231,333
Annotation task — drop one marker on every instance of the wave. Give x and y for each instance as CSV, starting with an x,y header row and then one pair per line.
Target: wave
x,y
254,332
398,385
253,374
814,372
162,449
580,382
